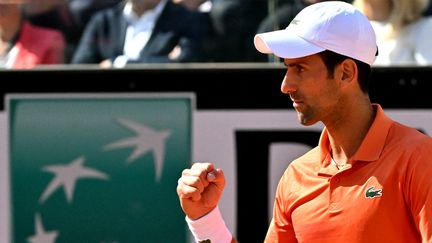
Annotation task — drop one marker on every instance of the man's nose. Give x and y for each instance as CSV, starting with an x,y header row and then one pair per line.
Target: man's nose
x,y
288,85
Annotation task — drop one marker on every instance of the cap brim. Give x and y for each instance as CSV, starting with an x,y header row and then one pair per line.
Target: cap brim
x,y
284,44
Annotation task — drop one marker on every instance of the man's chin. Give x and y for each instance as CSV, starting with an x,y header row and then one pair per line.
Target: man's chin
x,y
305,121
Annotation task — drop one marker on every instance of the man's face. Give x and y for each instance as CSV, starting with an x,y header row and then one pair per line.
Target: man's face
x,y
314,94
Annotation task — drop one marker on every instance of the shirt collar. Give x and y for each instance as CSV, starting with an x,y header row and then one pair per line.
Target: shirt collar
x,y
154,13
372,145
374,142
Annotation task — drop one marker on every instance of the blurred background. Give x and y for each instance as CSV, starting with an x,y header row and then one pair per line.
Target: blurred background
x,y
105,102
115,33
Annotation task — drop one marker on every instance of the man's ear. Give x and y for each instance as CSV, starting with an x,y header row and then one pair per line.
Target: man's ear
x,y
347,71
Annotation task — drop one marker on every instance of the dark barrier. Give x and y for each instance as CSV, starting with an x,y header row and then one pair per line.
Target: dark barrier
x,y
223,86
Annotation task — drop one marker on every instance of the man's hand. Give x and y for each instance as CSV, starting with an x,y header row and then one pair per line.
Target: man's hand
x,y
199,189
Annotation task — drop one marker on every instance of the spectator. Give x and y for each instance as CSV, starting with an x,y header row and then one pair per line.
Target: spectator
x,y
67,16
82,10
210,39
141,31
403,34
235,23
24,45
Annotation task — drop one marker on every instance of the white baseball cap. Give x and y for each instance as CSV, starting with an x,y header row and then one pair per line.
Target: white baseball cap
x,y
332,25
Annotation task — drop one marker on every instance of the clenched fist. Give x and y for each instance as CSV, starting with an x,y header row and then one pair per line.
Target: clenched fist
x,y
199,189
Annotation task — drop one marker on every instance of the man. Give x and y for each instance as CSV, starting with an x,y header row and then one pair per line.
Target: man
x,y
368,180
141,31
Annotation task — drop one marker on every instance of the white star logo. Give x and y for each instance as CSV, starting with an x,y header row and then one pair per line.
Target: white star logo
x,y
146,139
41,236
67,176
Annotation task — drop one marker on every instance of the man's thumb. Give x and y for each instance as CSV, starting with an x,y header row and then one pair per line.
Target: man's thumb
x,y
216,176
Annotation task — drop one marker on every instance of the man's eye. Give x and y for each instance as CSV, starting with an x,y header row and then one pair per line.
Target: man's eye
x,y
296,68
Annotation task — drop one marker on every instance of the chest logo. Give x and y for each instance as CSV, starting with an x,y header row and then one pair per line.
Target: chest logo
x,y
371,192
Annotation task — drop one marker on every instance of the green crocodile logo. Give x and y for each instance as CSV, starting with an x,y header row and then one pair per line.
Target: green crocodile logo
x,y
371,192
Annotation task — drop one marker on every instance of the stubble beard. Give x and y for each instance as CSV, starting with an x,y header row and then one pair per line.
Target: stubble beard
x,y
306,117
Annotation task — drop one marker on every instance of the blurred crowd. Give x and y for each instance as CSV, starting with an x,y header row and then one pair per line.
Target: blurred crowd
x,y
114,33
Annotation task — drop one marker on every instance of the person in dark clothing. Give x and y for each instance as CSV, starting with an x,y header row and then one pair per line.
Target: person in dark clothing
x,y
235,22
141,31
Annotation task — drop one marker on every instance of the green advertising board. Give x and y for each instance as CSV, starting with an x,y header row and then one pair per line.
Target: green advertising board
x,y
98,168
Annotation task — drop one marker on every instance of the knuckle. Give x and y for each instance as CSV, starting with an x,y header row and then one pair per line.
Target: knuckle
x,y
186,172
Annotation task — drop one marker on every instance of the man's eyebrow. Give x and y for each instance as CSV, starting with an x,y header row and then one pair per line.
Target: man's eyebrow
x,y
292,64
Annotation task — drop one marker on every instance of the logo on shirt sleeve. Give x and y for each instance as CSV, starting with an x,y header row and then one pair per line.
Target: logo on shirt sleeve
x,y
371,192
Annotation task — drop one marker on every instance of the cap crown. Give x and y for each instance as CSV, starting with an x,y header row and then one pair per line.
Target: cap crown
x,y
338,27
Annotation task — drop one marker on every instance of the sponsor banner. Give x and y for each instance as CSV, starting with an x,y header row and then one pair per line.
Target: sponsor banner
x,y
98,168
253,147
